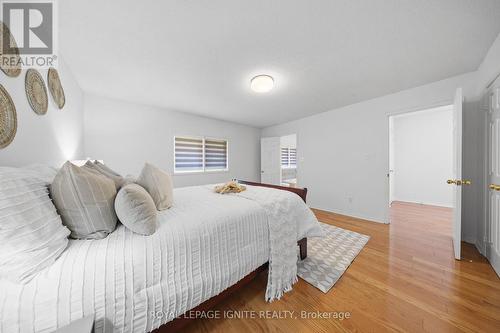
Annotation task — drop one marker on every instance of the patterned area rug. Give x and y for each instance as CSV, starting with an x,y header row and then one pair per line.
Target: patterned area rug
x,y
330,256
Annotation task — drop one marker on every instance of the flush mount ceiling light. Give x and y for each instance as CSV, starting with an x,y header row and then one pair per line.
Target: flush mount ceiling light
x,y
262,83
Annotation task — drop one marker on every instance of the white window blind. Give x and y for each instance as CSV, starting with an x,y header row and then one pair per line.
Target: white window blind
x,y
200,154
215,154
293,157
288,157
284,157
188,154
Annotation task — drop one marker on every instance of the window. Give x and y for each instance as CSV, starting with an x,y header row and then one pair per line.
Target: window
x,y
200,154
215,154
288,157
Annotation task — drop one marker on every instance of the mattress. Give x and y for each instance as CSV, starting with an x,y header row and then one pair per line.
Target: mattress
x,y
131,283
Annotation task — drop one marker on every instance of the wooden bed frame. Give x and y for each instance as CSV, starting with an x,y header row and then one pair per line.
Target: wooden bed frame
x,y
181,321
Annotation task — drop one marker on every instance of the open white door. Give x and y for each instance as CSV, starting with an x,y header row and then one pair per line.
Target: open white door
x,y
493,233
457,172
270,161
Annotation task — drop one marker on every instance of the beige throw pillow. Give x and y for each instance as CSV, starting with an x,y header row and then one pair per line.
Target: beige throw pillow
x,y
136,210
85,201
105,171
158,184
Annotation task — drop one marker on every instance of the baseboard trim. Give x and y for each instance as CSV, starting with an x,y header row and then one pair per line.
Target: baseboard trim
x,y
348,214
493,257
422,203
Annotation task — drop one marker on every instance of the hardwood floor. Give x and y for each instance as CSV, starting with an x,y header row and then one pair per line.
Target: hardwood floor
x,y
405,279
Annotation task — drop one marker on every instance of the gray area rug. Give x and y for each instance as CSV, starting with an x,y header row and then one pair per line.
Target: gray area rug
x,y
330,256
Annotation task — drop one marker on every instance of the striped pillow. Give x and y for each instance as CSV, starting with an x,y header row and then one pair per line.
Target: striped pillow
x,y
158,184
105,171
85,200
32,235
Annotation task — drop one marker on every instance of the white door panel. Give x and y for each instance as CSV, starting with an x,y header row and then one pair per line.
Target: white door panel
x,y
270,160
493,228
457,172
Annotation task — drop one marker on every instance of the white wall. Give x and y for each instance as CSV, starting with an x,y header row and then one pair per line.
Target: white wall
x,y
344,153
357,134
423,157
126,135
52,138
490,67
289,141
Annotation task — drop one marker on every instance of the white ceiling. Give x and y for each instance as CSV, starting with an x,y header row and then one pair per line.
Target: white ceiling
x,y
199,56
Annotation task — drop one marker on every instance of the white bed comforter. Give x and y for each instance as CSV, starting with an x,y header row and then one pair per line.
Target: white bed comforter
x,y
205,243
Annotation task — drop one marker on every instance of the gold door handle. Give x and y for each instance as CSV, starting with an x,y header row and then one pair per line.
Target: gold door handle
x,y
458,182
494,187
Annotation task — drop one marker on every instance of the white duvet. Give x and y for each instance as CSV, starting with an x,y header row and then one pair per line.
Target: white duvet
x,y
131,283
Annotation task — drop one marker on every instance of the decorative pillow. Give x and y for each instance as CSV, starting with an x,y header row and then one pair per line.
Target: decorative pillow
x,y
105,168
158,184
105,171
136,210
85,200
32,235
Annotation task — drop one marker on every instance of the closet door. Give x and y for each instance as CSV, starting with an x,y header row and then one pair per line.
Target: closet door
x,y
493,236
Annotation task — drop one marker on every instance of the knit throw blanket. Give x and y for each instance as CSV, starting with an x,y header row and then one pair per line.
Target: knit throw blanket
x,y
283,208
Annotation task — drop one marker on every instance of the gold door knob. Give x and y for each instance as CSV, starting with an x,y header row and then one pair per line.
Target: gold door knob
x,y
451,181
494,187
466,182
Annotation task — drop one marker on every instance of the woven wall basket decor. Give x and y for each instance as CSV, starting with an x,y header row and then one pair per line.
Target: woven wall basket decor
x,y
8,118
55,88
10,62
36,91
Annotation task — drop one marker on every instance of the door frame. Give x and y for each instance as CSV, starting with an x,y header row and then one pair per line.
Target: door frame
x,y
388,144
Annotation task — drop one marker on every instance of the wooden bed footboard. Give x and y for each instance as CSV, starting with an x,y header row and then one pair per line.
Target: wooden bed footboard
x,y
181,321
301,192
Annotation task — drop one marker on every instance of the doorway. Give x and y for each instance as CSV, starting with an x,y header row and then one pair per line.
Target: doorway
x,y
421,159
279,160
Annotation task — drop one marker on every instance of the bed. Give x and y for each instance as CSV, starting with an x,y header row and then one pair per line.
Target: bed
x,y
206,243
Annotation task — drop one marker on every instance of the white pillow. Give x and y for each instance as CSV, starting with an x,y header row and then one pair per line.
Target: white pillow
x,y
32,235
158,184
44,171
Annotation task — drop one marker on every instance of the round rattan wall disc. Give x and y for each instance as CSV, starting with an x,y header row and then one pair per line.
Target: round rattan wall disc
x,y
10,62
8,118
55,87
36,91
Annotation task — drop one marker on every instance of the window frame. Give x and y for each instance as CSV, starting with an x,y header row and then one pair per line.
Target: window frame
x,y
204,169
